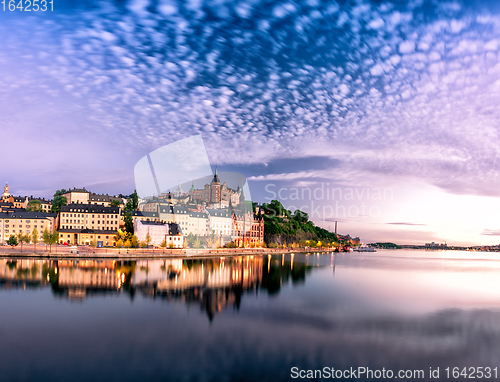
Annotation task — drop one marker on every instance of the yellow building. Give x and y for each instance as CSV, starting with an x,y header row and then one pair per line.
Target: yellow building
x,y
17,201
12,223
83,224
104,200
77,196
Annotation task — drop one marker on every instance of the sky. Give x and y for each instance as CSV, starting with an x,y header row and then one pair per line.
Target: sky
x,y
379,115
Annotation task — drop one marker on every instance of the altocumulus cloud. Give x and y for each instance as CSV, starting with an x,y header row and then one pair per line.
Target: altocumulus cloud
x,y
404,88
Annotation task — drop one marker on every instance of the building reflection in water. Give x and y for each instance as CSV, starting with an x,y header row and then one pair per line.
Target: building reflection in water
x,y
213,284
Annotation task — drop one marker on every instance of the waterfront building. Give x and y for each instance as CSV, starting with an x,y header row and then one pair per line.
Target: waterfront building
x,y
248,229
220,222
198,224
158,232
84,224
349,240
12,223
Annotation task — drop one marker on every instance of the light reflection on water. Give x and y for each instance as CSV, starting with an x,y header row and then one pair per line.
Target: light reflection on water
x,y
248,318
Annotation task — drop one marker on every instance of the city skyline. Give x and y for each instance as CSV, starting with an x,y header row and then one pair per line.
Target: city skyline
x,y
354,96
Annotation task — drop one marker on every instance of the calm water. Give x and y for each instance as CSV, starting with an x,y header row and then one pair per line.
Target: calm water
x,y
249,318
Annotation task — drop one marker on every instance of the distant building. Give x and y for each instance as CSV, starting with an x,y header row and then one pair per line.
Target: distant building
x,y
77,196
216,194
104,200
6,193
348,239
436,245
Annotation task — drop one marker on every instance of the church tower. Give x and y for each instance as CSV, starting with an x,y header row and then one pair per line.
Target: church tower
x,y
6,193
215,188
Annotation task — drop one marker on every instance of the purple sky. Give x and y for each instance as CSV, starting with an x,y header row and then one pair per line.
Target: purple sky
x,y
362,96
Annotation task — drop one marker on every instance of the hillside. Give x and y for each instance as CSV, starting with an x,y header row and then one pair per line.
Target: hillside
x,y
283,227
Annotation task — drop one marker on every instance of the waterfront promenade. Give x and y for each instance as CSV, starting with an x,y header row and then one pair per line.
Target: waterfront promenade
x,y
86,252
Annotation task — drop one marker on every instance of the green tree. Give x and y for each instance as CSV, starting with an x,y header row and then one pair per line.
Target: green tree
x,y
50,238
22,238
34,237
300,216
148,239
254,207
46,236
129,222
134,241
127,243
190,239
197,242
59,201
164,243
115,203
55,239
132,202
275,208
12,240
34,205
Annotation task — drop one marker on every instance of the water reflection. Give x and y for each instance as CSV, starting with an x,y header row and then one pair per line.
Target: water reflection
x,y
247,318
214,283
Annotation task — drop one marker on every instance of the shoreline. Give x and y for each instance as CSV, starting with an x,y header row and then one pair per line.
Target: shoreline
x,y
134,254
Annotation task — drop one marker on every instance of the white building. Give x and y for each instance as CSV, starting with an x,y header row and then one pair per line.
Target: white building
x,y
158,232
220,222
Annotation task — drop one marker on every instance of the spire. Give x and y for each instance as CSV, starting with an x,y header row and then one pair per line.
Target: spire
x,y
216,177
